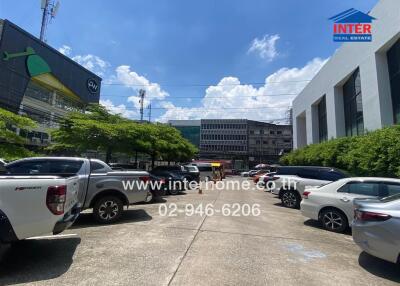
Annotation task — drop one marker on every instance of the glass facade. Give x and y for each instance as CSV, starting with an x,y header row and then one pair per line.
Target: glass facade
x,y
393,56
322,120
353,111
191,133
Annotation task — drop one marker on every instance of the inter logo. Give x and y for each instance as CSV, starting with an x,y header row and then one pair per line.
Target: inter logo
x,y
352,26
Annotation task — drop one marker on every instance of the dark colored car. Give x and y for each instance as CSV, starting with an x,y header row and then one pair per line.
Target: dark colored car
x,y
174,182
179,171
158,187
312,172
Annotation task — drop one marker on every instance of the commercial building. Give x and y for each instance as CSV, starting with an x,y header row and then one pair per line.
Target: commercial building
x,y
249,141
190,129
358,89
40,82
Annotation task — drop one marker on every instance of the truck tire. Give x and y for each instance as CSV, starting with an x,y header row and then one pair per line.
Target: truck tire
x,y
108,209
290,199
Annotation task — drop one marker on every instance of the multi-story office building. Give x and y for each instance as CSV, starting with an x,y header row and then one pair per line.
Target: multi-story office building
x,y
38,81
358,89
247,140
190,129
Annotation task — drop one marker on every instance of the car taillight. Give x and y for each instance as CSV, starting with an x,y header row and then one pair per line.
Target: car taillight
x,y
162,181
306,194
144,179
370,216
56,198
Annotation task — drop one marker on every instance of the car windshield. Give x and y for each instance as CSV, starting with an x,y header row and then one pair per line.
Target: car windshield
x,y
191,168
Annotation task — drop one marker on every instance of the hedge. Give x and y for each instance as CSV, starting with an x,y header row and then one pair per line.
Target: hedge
x,y
376,153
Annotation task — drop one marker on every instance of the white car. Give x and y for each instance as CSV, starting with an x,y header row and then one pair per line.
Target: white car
x,y
290,182
332,204
36,205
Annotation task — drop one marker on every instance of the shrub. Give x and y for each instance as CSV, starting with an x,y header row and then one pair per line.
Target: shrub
x,y
376,153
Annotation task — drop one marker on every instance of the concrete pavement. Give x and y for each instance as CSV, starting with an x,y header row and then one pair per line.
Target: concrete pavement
x,y
278,247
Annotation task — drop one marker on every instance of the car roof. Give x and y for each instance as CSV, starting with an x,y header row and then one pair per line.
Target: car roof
x,y
307,167
49,158
371,179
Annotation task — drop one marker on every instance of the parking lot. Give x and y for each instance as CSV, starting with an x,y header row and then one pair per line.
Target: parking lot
x,y
278,247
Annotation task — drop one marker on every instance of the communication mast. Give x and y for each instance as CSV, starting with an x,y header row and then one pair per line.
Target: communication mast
x,y
50,9
142,93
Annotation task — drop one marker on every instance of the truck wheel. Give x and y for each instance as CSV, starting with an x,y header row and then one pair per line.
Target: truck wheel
x,y
173,191
108,209
290,199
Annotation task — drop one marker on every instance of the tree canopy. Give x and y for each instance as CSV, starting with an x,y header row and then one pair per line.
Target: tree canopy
x,y
11,144
98,129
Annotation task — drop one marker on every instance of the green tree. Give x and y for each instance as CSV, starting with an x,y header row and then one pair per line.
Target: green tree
x,y
11,144
97,129
100,130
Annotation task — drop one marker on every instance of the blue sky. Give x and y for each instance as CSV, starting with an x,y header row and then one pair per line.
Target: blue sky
x,y
193,56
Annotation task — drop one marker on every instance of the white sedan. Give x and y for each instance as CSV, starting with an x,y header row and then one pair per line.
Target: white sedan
x,y
332,204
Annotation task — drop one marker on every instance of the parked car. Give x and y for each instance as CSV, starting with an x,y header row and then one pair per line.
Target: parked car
x,y
259,174
376,227
157,188
265,178
205,170
290,181
33,206
247,173
179,171
101,188
193,171
174,182
332,204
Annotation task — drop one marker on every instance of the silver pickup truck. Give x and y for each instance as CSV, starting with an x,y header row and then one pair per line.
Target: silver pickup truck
x,y
100,188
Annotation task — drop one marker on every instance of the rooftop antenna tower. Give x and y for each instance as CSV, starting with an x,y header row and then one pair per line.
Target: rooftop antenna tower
x,y
142,93
50,10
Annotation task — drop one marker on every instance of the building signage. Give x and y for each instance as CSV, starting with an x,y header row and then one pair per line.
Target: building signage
x,y
34,63
92,86
352,26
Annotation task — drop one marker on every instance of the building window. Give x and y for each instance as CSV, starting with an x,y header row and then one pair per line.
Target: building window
x,y
353,112
322,120
393,56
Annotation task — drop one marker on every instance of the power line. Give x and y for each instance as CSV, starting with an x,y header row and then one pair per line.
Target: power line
x,y
241,96
203,84
220,108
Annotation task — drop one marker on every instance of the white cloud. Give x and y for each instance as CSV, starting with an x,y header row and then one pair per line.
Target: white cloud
x,y
119,109
224,99
265,47
91,62
132,79
65,50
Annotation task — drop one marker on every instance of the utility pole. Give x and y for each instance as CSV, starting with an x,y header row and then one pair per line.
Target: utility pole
x,y
149,112
50,10
142,93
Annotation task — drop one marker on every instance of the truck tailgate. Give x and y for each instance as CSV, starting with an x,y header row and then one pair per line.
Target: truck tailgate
x,y
23,200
